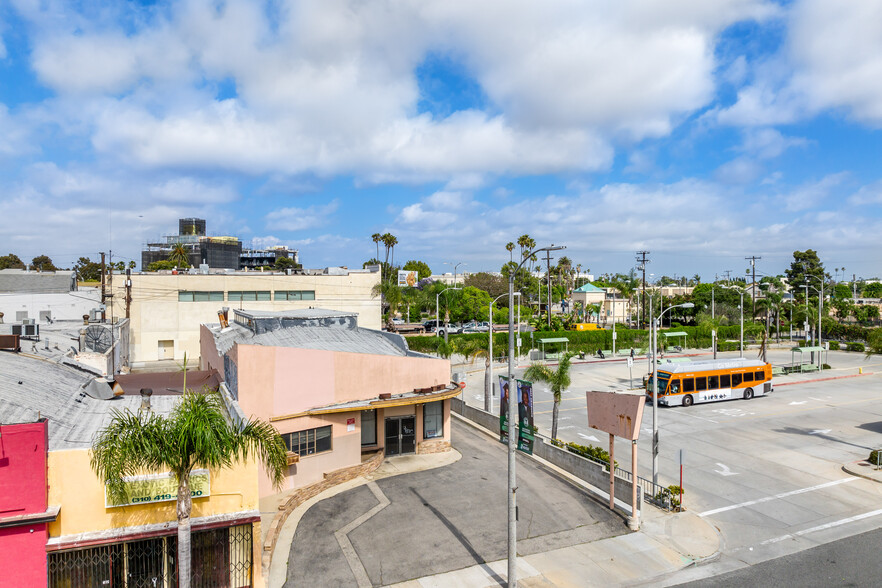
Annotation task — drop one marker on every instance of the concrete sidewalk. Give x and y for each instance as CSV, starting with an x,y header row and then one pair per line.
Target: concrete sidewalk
x,y
667,542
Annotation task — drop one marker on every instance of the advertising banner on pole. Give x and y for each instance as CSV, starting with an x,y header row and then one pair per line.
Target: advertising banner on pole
x,y
526,429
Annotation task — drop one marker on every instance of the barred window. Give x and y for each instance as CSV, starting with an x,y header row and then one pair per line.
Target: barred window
x,y
219,557
309,442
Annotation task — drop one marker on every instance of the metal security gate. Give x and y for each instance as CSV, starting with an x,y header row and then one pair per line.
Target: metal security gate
x,y
219,558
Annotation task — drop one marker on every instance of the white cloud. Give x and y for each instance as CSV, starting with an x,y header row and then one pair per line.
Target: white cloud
x,y
812,194
330,87
298,219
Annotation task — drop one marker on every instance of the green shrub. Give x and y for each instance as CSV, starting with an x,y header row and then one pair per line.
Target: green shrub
x,y
834,345
675,492
590,451
856,347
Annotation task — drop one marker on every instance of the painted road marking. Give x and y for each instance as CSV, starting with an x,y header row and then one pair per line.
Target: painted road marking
x,y
725,471
588,437
824,527
819,432
794,403
775,497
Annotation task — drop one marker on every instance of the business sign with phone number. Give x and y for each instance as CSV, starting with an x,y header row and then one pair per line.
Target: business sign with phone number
x,y
158,488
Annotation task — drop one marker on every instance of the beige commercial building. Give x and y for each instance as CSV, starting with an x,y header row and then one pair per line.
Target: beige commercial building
x,y
167,309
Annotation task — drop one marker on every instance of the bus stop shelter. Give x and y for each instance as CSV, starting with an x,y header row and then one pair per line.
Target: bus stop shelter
x,y
676,334
802,365
555,343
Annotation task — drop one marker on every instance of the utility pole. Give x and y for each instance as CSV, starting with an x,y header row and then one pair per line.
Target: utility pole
x,y
548,269
727,277
753,259
103,291
642,260
129,294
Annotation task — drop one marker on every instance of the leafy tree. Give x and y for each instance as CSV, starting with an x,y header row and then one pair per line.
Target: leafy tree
x,y
87,270
11,261
285,263
179,255
491,284
557,379
421,267
805,262
132,264
864,313
43,263
467,305
162,264
873,290
874,341
196,434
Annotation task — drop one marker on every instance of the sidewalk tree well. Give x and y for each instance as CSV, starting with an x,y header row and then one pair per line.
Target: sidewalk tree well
x,y
197,434
557,379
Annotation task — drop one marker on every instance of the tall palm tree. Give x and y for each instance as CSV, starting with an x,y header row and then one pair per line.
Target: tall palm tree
x,y
197,434
558,380
510,247
179,255
376,238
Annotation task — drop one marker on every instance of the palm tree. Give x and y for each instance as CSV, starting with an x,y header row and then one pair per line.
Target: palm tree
x,y
558,380
510,247
179,255
197,434
376,238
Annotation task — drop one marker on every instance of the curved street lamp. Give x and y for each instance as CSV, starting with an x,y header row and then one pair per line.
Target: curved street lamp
x,y
512,419
488,392
654,324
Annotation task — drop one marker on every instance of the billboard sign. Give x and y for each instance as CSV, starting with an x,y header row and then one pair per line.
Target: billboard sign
x,y
158,488
408,278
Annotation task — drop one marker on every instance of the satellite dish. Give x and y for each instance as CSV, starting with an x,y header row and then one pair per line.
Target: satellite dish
x,y
97,338
99,388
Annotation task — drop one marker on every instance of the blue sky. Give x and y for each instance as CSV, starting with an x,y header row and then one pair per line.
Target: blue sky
x,y
702,132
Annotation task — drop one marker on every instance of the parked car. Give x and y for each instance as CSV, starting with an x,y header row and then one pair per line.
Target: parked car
x,y
431,324
397,321
450,329
475,327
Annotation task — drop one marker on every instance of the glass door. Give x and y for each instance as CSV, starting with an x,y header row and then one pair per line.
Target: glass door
x,y
408,434
393,436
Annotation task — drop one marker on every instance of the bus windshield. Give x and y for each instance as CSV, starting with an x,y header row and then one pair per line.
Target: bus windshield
x,y
662,383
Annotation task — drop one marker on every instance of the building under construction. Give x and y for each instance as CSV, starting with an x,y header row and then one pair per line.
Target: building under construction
x,y
215,252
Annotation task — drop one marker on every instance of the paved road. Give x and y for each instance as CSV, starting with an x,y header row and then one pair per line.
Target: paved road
x,y
766,472
441,520
853,561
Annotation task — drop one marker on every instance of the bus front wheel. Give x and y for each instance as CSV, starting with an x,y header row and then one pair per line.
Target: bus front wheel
x,y
687,400
748,394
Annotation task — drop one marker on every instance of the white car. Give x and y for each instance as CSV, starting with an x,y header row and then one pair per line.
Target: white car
x,y
397,321
476,327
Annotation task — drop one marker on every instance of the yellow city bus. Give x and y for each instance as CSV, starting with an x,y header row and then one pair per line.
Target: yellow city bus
x,y
712,380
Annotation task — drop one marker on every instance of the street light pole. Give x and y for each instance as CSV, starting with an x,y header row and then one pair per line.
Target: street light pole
x,y
437,313
512,419
741,306
488,393
656,324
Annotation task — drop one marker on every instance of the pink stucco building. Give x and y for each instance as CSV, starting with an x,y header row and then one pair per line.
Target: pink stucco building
x,y
24,509
335,391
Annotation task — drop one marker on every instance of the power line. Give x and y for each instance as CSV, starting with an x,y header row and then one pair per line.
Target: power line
x,y
753,259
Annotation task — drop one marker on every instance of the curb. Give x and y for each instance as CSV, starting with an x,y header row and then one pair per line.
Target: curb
x,y
825,379
846,467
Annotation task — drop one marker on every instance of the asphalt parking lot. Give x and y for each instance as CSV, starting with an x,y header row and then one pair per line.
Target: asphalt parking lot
x,y
439,520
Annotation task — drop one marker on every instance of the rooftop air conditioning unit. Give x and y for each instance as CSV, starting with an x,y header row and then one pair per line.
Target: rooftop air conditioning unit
x,y
31,330
27,321
95,314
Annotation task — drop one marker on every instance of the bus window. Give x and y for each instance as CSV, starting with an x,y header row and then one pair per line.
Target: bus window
x,y
748,377
675,387
759,376
736,380
700,384
713,382
688,385
725,381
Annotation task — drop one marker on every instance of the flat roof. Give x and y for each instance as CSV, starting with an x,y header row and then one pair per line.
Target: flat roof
x,y
676,334
304,313
555,340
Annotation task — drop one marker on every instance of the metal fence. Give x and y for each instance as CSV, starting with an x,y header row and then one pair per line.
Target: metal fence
x,y
219,558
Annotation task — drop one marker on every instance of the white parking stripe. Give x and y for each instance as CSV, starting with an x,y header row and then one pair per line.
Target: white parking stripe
x,y
776,497
838,523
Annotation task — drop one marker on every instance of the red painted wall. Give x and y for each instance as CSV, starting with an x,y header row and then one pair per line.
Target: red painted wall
x,y
23,490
